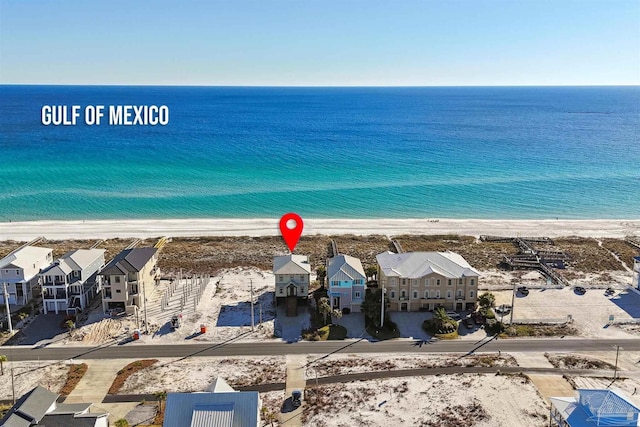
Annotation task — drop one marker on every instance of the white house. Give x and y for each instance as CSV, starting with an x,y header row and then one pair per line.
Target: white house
x,y
416,281
347,280
19,271
292,274
71,282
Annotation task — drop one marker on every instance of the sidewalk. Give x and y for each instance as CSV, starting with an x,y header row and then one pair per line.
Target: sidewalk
x,y
93,387
295,381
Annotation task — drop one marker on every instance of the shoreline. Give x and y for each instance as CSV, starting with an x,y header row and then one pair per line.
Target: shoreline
x,y
257,227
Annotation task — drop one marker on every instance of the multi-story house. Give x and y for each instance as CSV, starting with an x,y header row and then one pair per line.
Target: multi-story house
x,y
19,272
71,282
416,281
292,276
347,280
127,277
594,408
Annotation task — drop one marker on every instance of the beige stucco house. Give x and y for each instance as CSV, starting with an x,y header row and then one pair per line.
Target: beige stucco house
x,y
127,277
415,281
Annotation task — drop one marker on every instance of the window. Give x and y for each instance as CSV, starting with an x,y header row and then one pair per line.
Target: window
x,y
404,282
280,278
437,294
426,294
302,277
356,294
393,294
117,279
393,281
459,281
437,282
448,294
459,294
403,294
291,277
281,291
75,273
415,294
472,282
470,294
449,282
17,272
118,291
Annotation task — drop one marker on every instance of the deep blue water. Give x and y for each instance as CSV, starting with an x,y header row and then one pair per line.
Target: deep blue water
x,y
465,152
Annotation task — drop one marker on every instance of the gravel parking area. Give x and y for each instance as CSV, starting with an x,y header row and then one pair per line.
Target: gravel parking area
x,y
590,312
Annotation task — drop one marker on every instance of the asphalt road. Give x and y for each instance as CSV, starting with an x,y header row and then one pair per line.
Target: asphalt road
x,y
136,350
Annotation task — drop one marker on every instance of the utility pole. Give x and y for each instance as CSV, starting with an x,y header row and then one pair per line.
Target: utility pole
x,y
144,297
252,315
513,301
615,369
382,307
6,302
13,388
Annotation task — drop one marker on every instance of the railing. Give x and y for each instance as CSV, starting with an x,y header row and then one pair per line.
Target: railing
x,y
56,296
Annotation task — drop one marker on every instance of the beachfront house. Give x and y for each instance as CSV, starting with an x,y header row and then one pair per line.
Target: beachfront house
x,y
636,273
71,282
39,408
19,272
221,406
127,278
594,407
347,281
415,281
292,276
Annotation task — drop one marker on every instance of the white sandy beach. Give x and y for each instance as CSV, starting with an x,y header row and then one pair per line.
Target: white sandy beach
x,y
144,228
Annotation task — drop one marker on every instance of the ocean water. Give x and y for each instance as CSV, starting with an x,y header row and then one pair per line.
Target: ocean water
x,y
457,152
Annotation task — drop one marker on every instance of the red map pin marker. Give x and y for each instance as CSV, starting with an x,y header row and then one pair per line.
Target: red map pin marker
x,y
291,228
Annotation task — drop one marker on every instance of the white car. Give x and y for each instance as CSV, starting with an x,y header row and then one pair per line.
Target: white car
x,y
453,315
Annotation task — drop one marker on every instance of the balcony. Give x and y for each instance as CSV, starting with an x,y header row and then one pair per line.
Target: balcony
x,y
57,295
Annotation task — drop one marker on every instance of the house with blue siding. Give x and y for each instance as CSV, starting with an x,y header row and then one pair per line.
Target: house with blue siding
x,y
594,408
347,282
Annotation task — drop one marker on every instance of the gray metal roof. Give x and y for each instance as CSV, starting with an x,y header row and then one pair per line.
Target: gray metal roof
x,y
208,408
291,264
345,268
129,261
413,265
220,415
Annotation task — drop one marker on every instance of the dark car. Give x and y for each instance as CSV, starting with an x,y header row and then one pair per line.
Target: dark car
x,y
522,290
580,290
468,322
296,397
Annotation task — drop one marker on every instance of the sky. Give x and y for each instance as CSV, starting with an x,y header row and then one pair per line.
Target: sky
x,y
321,43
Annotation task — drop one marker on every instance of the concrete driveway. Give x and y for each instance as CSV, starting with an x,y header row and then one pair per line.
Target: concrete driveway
x,y
290,328
354,322
410,324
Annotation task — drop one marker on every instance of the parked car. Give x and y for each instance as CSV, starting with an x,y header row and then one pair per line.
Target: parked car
x,y
580,290
610,291
468,322
503,309
522,290
453,315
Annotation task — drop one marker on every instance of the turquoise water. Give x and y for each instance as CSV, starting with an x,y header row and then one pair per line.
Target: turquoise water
x,y
566,152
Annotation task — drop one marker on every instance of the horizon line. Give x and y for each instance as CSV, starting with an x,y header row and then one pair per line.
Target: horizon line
x,y
313,86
